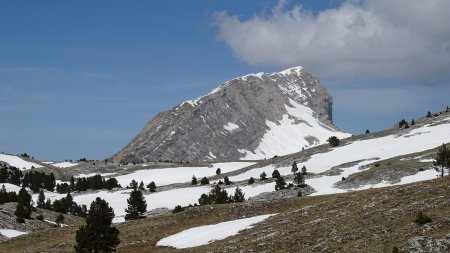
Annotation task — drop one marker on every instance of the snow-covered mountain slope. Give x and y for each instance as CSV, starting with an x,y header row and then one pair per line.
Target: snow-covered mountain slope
x,y
18,162
251,117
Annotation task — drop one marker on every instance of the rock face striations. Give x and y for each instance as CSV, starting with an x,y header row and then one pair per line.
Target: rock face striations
x,y
251,117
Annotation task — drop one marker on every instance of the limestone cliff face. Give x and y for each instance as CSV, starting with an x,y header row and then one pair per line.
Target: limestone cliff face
x,y
250,117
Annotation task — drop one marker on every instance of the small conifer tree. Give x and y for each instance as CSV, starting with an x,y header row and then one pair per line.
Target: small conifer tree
x,y
204,181
304,171
59,219
41,199
151,186
280,184
299,179
238,196
136,205
276,174
97,235
226,180
294,168
263,176
194,180
218,171
251,180
443,159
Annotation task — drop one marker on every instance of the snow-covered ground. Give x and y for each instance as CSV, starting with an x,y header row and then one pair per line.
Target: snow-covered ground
x,y
10,187
64,164
180,174
18,162
203,235
10,233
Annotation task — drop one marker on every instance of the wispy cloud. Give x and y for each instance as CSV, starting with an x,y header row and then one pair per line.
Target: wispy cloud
x,y
397,40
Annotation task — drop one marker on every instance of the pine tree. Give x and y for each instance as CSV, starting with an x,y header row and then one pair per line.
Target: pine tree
x,y
133,184
72,183
59,220
276,174
280,184
263,176
227,180
428,114
204,181
41,199
294,167
218,171
218,195
152,186
194,180
304,172
251,180
136,205
141,186
299,179
413,122
238,196
23,208
443,158
97,235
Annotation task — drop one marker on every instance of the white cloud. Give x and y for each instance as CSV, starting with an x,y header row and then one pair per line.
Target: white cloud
x,y
398,40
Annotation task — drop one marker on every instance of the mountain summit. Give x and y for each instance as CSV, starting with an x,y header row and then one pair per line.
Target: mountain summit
x,y
250,117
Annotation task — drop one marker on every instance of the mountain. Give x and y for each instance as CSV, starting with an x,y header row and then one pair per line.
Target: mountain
x,y
250,117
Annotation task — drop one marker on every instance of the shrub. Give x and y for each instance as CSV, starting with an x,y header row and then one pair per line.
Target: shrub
x,y
251,180
334,141
178,209
422,219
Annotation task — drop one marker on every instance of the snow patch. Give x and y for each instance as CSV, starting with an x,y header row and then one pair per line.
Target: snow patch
x,y
203,235
64,164
10,233
230,126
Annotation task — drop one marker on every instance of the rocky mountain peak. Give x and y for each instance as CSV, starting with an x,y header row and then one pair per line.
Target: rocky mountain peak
x,y
249,117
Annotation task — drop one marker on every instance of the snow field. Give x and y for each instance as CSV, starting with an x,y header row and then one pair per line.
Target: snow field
x,y
18,162
203,235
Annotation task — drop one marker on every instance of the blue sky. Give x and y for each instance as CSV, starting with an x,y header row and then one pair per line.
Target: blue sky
x,y
80,79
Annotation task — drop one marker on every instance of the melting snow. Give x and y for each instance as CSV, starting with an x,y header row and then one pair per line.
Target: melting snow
x,y
203,235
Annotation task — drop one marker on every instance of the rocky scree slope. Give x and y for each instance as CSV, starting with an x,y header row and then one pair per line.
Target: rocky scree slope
x,y
250,117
